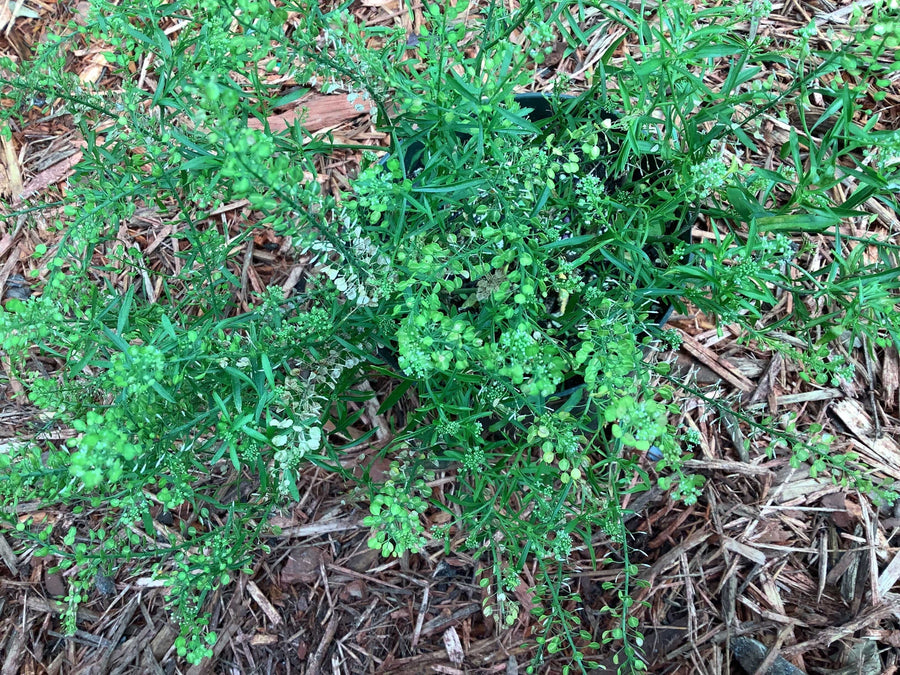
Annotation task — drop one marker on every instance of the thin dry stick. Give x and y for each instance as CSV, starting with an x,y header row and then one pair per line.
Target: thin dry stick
x,y
876,417
689,596
145,67
8,266
823,564
840,14
315,664
871,541
716,363
319,528
421,618
325,585
728,466
123,621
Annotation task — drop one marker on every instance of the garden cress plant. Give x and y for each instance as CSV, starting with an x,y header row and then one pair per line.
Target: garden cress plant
x,y
505,270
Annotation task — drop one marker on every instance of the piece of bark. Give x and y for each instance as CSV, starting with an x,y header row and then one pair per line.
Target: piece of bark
x,y
716,363
49,176
880,452
317,112
303,565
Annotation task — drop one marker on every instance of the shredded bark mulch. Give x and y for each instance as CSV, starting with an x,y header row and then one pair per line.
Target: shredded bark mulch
x,y
771,571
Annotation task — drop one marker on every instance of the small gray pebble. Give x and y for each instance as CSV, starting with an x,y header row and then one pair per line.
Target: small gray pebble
x,y
104,584
17,287
751,653
17,292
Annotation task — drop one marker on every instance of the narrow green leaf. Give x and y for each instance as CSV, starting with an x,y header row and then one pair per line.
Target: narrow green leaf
x,y
125,310
147,520
232,454
220,404
571,241
116,339
291,481
394,396
163,392
450,187
715,51
254,434
267,370
168,327
800,222
288,98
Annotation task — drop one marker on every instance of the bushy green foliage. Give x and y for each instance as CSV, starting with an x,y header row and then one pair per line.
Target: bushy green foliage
x,y
508,260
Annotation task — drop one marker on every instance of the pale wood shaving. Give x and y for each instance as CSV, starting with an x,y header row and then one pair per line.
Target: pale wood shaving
x,y
315,113
881,452
260,598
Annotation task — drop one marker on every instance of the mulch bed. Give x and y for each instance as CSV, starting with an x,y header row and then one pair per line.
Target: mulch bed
x,y
769,553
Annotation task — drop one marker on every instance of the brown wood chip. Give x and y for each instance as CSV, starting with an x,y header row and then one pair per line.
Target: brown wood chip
x,y
318,112
716,363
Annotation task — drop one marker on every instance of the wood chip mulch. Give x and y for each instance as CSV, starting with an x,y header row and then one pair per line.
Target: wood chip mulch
x,y
805,567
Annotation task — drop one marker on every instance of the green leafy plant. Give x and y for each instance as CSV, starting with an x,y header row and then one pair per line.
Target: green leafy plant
x,y
508,259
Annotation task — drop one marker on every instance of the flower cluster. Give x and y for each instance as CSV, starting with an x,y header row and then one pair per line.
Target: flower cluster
x,y
103,449
23,324
638,423
357,278
395,518
886,151
609,349
594,203
430,341
502,604
375,189
753,10
473,460
708,176
293,440
196,574
137,369
540,38
559,444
